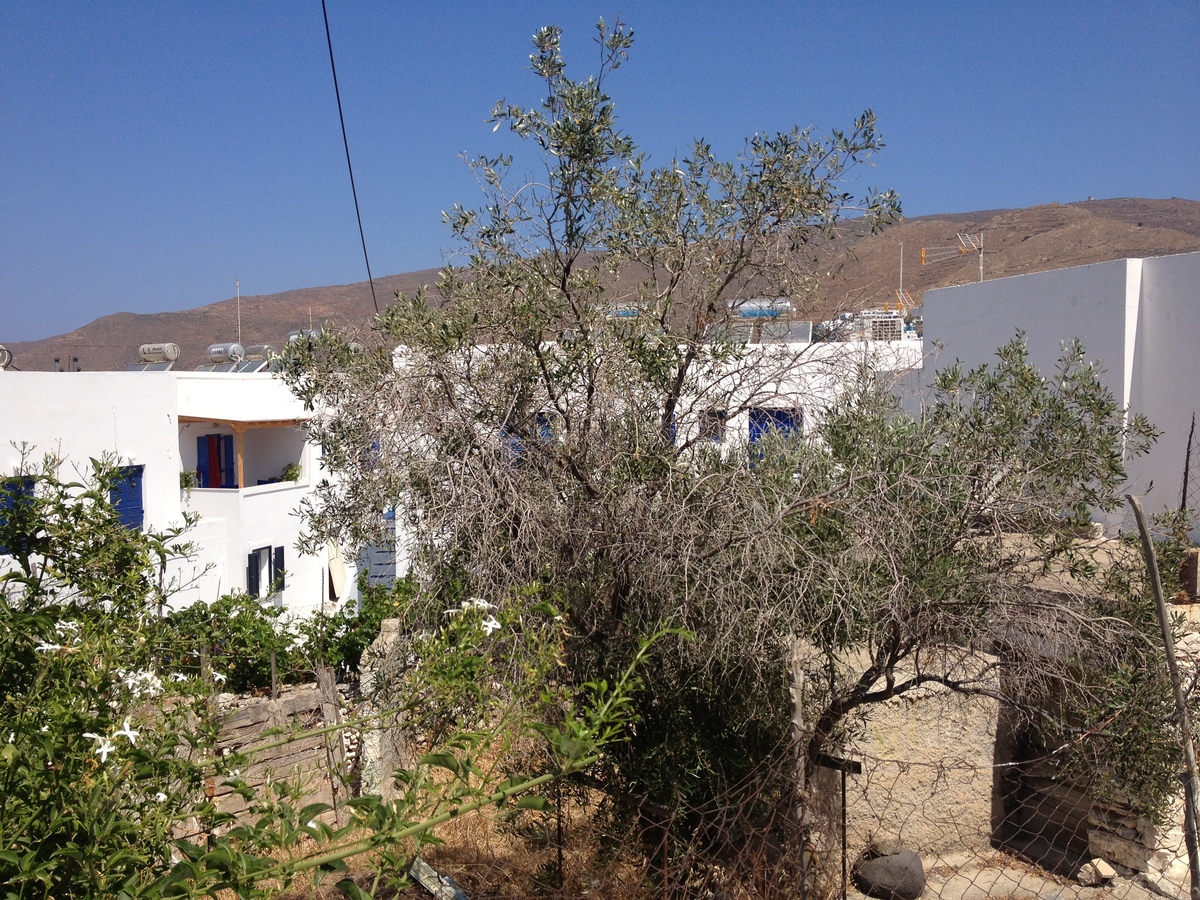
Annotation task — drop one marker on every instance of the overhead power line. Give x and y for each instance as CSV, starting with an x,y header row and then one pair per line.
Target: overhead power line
x,y
346,144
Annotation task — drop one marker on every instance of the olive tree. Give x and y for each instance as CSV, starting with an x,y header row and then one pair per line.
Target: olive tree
x,y
553,416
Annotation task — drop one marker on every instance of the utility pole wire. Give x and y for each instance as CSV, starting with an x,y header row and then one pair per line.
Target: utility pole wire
x,y
346,144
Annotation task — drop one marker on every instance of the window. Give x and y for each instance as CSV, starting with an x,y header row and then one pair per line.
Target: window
x,y
783,422
16,514
264,572
216,464
712,425
542,432
125,495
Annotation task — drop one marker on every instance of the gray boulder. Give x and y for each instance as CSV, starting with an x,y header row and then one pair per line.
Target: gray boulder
x,y
890,872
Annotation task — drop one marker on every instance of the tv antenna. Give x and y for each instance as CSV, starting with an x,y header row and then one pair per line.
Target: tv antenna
x,y
239,308
966,244
904,300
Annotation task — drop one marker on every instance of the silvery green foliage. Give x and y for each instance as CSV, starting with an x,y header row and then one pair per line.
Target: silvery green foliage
x,y
545,419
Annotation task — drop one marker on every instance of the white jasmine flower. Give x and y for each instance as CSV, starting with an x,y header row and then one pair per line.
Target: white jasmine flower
x,y
160,797
490,624
68,630
139,683
219,678
477,603
45,647
127,733
103,745
178,676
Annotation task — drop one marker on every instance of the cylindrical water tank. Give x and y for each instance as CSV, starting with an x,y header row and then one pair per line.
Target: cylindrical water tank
x,y
152,353
225,353
260,351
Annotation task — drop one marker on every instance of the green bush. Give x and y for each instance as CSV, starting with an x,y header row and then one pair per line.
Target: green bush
x,y
339,639
238,633
100,755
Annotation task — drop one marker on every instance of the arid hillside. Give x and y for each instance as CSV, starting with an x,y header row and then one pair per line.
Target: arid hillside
x,y
866,273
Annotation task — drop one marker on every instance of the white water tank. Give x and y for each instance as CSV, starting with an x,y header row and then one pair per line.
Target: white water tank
x,y
152,353
226,353
260,351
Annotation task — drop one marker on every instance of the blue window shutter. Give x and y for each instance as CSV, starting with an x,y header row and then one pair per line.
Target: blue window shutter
x,y
760,424
785,422
277,571
228,462
202,461
16,495
126,497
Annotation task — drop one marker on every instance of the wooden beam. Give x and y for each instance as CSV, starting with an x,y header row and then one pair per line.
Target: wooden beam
x,y
236,423
237,450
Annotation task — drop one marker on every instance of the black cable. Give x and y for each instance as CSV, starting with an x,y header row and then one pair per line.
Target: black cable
x,y
349,168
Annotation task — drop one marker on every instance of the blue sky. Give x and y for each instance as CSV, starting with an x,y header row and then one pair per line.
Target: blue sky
x,y
151,153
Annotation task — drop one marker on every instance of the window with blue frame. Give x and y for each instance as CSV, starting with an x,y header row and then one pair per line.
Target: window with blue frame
x,y
16,514
513,444
125,494
787,422
216,464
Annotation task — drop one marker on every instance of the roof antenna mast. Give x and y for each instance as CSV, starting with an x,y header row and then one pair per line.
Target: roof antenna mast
x,y
967,243
239,307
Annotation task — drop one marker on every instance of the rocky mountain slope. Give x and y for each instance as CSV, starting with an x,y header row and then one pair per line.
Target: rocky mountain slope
x,y
1016,241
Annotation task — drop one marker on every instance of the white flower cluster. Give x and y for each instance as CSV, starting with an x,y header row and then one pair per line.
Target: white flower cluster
x,y
471,603
68,633
489,623
106,745
140,684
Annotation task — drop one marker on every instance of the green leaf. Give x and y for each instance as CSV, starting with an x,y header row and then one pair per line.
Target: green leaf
x,y
352,890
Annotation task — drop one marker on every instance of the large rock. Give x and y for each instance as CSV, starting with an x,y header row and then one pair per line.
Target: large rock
x,y
890,872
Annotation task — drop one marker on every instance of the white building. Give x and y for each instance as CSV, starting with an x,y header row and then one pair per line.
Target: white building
x,y
1140,318
236,432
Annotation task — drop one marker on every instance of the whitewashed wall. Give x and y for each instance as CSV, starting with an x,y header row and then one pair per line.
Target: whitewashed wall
x,y
1139,318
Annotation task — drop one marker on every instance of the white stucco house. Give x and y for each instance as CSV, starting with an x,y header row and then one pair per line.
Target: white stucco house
x,y
236,432
1140,318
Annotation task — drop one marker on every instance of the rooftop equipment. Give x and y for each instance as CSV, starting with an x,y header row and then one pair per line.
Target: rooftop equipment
x,y
226,353
5,357
762,307
622,310
155,358
223,357
763,320
259,358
